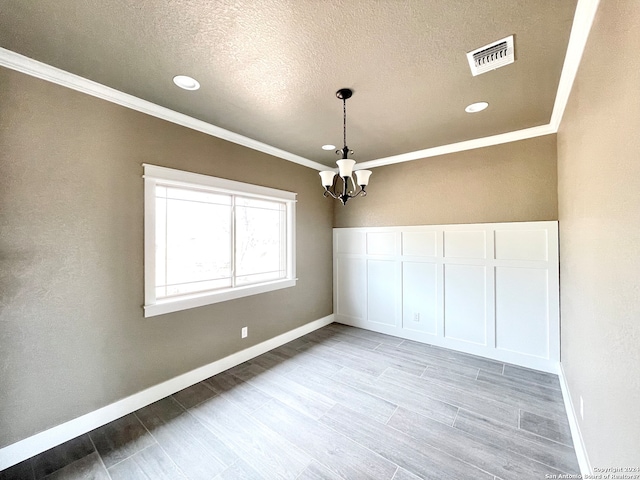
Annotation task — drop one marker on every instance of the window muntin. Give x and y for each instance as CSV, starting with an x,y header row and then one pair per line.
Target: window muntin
x,y
213,240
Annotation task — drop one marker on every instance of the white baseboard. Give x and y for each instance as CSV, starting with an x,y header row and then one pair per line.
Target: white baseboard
x,y
578,441
23,449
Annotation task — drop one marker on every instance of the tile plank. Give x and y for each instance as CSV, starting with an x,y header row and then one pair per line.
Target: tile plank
x,y
421,459
274,363
239,471
188,424
546,427
317,471
399,395
19,471
402,474
195,394
499,393
343,359
184,439
374,356
237,391
503,463
519,441
354,340
87,468
366,334
532,376
150,463
293,394
538,391
337,452
58,457
322,336
120,439
310,362
374,407
455,358
462,398
257,445
428,361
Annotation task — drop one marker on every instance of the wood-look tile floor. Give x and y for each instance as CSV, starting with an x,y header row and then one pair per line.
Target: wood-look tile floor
x,y
339,403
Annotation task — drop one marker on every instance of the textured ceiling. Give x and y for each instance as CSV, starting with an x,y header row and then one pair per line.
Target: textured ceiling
x,y
269,69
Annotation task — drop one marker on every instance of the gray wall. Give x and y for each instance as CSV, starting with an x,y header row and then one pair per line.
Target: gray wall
x,y
513,182
599,210
72,333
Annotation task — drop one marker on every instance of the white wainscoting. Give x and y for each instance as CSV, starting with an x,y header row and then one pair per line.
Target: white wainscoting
x,y
489,289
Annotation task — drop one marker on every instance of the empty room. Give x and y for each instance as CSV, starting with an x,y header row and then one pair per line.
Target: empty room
x,y
319,239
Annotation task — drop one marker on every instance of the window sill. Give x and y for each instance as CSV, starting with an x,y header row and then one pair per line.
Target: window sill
x,y
185,302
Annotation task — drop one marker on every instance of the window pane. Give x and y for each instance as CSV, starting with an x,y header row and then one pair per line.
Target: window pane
x,y
260,239
193,242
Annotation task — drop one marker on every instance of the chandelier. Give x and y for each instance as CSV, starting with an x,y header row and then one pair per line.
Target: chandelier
x,y
344,192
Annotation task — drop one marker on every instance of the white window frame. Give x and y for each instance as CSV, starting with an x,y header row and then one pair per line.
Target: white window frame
x,y
154,175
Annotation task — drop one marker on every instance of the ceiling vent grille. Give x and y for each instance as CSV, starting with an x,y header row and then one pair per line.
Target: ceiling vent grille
x,y
492,56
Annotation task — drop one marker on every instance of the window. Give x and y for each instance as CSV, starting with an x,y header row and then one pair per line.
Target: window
x,y
208,240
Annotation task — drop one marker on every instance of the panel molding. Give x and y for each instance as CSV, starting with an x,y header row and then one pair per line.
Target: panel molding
x,y
40,442
490,331
465,307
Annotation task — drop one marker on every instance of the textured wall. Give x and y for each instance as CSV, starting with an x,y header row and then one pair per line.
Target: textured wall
x,y
504,183
599,210
72,333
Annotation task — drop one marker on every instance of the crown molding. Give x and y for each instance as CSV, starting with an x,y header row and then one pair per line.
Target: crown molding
x,y
582,22
37,69
461,146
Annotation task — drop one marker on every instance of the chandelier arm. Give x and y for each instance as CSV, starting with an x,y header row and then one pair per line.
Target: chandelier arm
x,y
329,193
360,193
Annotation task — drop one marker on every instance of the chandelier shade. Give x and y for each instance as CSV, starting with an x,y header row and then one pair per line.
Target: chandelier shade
x,y
327,178
363,177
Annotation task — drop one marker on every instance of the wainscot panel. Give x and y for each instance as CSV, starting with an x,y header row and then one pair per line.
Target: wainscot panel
x,y
489,289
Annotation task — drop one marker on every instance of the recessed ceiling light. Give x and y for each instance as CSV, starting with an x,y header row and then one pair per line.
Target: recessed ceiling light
x,y
328,147
185,82
476,107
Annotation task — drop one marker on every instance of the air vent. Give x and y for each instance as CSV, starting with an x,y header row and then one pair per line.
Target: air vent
x,y
492,56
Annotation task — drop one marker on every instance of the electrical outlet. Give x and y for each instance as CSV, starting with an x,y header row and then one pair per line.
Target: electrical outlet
x,y
245,332
581,408
416,317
